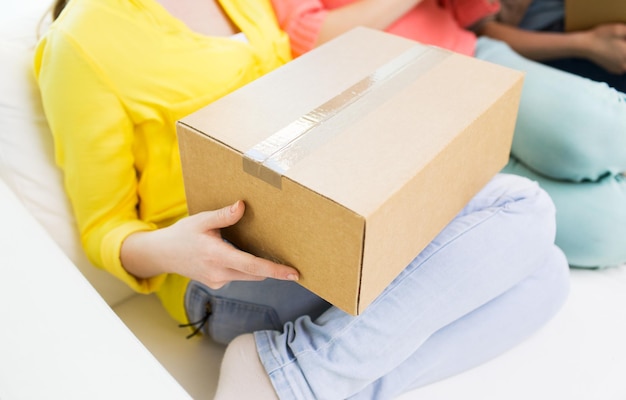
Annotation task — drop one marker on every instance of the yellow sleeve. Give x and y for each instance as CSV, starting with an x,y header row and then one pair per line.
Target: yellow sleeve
x,y
93,137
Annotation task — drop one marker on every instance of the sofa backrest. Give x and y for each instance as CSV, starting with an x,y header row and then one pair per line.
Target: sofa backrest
x,y
26,147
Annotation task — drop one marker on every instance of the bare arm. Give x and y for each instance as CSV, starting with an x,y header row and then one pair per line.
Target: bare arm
x,y
604,45
376,14
193,247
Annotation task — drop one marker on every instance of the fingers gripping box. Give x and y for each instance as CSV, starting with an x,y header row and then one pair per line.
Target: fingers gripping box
x,y
351,158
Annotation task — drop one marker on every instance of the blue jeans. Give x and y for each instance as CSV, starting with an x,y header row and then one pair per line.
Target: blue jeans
x,y
570,136
489,280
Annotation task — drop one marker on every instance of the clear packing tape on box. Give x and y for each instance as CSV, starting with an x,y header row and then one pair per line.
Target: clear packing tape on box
x,y
272,157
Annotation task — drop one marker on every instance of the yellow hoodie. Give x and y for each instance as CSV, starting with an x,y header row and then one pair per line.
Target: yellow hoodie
x,y
115,76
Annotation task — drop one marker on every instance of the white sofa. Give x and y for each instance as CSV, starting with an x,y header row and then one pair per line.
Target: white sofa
x,y
61,339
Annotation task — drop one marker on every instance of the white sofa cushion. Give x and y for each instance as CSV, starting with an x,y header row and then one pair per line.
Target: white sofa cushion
x,y
26,148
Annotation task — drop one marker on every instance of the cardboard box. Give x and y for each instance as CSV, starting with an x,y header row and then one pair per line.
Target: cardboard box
x,y
585,14
352,157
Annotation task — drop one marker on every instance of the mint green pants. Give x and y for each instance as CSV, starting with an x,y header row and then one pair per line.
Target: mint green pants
x,y
570,136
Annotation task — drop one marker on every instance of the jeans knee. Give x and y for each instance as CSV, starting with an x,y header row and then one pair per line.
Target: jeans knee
x,y
599,250
554,282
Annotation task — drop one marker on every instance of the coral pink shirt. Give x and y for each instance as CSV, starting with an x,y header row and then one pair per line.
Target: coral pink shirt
x,y
440,23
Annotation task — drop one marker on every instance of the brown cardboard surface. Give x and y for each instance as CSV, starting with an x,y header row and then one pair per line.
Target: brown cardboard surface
x,y
584,14
371,183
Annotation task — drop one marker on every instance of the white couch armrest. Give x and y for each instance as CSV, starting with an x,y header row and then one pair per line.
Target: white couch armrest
x,y
60,339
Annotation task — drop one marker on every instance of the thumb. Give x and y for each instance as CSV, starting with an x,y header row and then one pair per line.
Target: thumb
x,y
223,217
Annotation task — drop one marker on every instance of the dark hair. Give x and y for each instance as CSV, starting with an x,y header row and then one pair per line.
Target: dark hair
x,y
57,7
54,10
